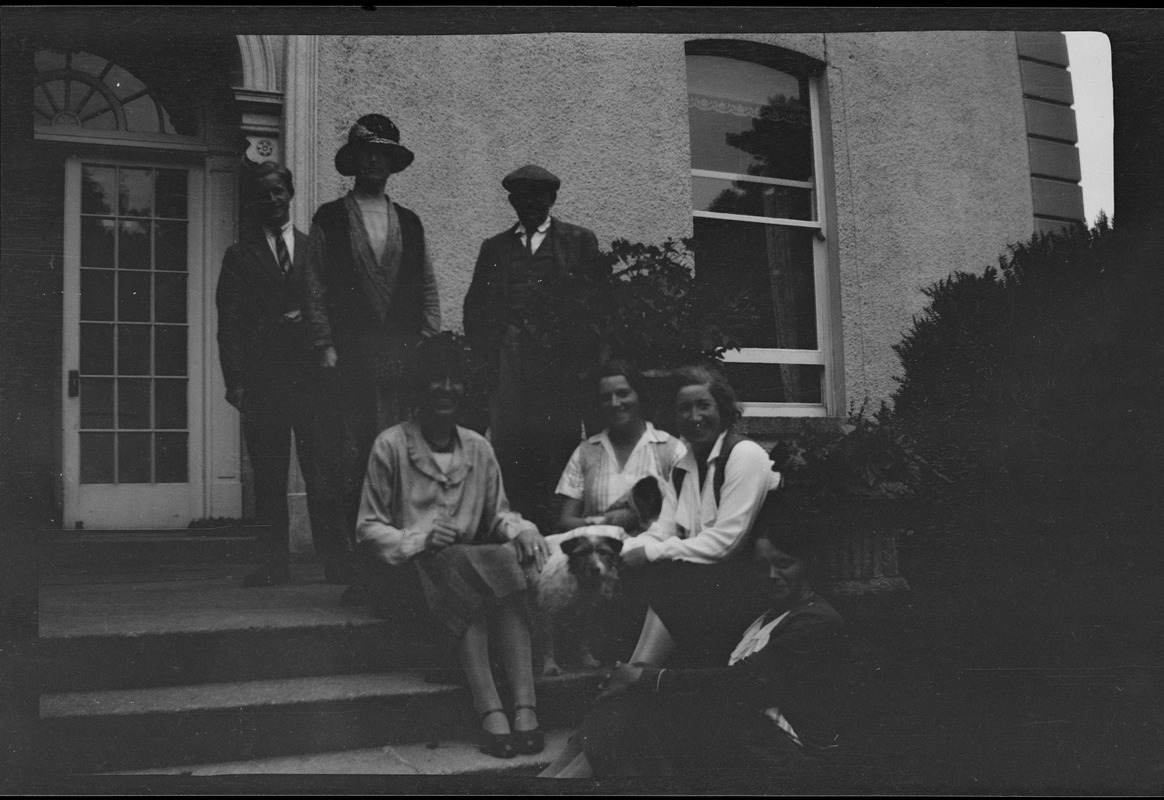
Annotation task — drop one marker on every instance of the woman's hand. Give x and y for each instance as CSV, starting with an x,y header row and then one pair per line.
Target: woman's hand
x,y
635,557
621,678
441,536
531,546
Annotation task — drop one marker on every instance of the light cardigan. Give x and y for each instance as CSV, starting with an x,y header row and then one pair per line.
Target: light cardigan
x,y
693,527
405,492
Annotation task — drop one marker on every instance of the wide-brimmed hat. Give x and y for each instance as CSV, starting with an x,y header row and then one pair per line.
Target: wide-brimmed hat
x,y
530,174
373,130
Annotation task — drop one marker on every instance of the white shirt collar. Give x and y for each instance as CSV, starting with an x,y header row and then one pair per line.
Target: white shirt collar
x,y
755,638
545,226
689,456
651,434
714,454
283,229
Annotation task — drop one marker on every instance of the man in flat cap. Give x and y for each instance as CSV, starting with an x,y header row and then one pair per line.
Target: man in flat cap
x,y
370,297
533,427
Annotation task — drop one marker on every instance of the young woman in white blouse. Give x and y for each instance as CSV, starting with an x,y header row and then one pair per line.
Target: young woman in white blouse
x,y
690,563
608,465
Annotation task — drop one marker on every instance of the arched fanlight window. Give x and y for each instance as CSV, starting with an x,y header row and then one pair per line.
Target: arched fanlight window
x,y
79,90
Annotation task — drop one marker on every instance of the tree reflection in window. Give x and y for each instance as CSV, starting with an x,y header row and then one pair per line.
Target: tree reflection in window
x,y
752,157
77,90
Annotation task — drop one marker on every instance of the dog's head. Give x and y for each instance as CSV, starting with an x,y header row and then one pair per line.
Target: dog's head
x,y
593,560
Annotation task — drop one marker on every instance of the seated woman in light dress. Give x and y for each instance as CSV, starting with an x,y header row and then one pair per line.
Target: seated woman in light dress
x,y
434,509
607,466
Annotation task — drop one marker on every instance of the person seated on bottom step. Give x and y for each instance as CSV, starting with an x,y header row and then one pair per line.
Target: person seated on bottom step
x,y
760,721
434,509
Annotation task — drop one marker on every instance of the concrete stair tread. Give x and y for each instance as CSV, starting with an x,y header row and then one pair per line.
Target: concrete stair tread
x,y
254,695
171,573
191,606
144,537
453,756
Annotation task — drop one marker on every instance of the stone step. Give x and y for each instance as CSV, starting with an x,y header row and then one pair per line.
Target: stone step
x,y
452,757
166,633
207,723
89,552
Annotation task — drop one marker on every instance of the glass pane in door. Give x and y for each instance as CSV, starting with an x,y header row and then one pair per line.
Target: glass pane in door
x,y
135,335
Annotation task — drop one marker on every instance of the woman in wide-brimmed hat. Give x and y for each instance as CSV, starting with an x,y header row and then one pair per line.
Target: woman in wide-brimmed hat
x,y
371,295
373,131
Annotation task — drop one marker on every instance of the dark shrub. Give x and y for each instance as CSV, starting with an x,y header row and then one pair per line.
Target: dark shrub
x,y
1047,369
866,456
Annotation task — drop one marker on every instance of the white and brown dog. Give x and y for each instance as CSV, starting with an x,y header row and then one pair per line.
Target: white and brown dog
x,y
579,579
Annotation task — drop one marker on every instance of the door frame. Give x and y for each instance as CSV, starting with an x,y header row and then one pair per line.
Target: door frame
x,y
151,510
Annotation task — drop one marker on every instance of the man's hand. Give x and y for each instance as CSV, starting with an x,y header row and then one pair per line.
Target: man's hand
x,y
441,536
235,397
621,678
328,357
635,557
531,546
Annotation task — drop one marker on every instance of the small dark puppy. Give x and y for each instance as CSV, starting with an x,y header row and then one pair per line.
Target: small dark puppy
x,y
638,508
578,580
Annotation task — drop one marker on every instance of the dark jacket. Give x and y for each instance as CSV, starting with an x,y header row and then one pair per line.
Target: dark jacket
x,y
254,340
801,671
487,308
337,309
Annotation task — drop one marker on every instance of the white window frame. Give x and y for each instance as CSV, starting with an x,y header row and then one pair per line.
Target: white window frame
x,y
824,311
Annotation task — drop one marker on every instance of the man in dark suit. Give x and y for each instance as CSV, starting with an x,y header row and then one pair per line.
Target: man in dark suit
x,y
265,362
534,426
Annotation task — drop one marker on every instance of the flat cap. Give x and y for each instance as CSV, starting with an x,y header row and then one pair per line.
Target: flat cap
x,y
531,173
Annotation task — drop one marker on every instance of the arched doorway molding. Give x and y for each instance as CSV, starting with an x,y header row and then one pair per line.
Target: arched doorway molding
x,y
259,94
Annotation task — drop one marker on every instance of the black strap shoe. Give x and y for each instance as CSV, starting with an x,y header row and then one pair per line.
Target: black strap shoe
x,y
528,743
498,745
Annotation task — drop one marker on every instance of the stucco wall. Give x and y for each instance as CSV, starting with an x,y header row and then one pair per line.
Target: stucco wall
x,y
930,159
931,166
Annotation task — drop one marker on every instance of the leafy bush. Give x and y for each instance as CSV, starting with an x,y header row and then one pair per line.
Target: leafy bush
x,y
1049,362
866,456
651,307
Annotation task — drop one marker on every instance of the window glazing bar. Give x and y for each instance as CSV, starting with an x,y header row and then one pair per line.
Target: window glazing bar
x,y
783,410
735,176
791,223
773,355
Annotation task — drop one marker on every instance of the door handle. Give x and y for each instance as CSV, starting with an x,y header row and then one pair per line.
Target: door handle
x,y
74,383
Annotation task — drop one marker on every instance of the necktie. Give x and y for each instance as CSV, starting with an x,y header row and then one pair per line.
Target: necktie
x,y
529,241
282,255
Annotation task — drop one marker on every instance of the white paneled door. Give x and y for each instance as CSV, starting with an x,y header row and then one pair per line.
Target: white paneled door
x,y
133,345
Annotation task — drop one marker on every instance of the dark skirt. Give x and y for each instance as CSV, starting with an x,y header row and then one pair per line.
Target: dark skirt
x,y
453,587
709,742
705,607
